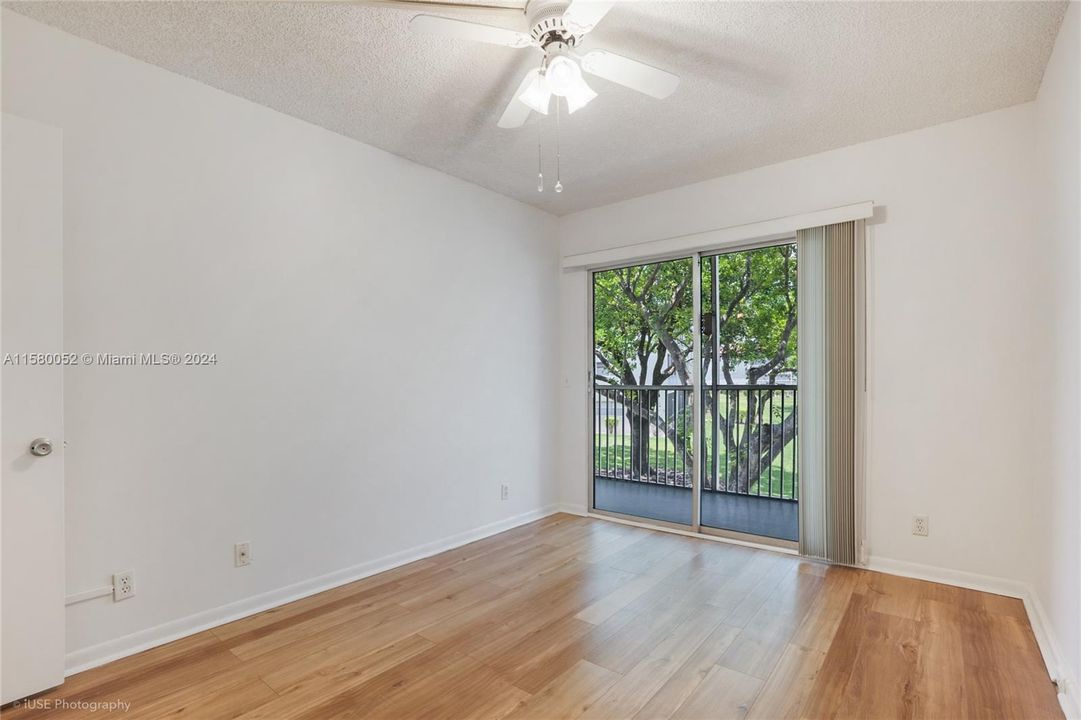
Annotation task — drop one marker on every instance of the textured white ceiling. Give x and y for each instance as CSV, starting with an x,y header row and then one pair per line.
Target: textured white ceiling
x,y
762,82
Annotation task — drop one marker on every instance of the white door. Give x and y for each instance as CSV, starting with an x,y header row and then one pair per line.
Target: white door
x,y
31,400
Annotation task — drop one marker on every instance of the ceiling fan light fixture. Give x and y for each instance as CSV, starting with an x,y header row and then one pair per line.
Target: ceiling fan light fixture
x,y
555,27
578,96
562,74
538,95
564,79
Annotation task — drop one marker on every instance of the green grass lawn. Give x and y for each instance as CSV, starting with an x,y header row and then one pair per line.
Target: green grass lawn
x,y
611,451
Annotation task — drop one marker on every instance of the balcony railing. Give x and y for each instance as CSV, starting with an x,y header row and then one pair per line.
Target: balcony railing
x,y
645,433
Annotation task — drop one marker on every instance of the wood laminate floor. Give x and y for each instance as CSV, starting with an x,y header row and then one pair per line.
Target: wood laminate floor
x,y
571,617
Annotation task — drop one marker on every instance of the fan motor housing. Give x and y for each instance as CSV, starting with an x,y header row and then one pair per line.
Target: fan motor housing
x,y
546,22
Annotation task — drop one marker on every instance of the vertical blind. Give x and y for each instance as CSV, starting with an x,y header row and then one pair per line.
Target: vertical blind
x,y
828,338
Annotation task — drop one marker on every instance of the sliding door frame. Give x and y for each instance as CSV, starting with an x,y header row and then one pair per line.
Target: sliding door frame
x,y
696,526
788,239
591,396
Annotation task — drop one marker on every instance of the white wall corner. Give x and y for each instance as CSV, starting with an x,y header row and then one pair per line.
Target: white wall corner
x,y
1068,687
1041,627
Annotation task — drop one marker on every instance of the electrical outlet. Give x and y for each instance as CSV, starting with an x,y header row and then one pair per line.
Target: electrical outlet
x,y
242,554
921,525
123,585
504,492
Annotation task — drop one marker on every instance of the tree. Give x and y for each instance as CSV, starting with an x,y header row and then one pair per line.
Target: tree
x,y
643,337
753,315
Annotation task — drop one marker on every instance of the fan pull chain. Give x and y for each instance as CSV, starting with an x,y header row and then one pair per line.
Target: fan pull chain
x,y
559,183
540,164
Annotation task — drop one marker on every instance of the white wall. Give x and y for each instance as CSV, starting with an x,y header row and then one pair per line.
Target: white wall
x,y
1058,512
952,283
385,338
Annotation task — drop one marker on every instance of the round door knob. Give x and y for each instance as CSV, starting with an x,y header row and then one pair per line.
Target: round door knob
x,y
41,447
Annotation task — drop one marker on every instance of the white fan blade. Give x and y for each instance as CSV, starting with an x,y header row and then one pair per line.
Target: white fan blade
x,y
517,111
630,73
583,15
465,30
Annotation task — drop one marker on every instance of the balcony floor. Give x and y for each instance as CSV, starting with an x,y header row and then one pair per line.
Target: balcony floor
x,y
767,517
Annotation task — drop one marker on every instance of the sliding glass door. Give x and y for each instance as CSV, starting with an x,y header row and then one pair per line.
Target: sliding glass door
x,y
750,480
643,394
739,310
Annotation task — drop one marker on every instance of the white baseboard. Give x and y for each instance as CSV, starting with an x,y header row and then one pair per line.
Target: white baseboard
x,y
946,576
95,655
572,509
1068,687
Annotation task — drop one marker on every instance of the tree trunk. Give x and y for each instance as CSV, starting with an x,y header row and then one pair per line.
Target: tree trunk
x,y
640,455
675,422
753,443
744,455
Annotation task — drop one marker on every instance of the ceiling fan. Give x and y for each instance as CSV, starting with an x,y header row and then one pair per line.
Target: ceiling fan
x,y
556,27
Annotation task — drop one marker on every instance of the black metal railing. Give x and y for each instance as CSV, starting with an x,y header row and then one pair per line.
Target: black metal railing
x,y
645,433
750,440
